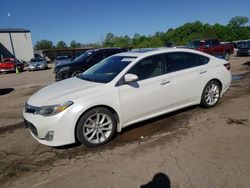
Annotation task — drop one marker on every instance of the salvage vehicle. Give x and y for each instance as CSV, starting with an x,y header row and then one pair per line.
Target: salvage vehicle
x,y
244,50
213,47
84,62
11,65
37,64
122,90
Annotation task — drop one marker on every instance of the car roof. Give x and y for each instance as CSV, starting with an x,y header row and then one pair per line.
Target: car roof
x,y
153,51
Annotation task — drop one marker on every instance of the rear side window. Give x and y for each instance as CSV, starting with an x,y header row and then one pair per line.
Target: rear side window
x,y
215,42
109,53
182,60
97,57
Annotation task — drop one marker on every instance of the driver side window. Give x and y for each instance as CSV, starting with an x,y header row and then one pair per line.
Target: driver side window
x,y
148,67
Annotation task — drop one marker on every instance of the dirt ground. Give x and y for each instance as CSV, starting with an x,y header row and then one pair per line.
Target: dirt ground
x,y
193,147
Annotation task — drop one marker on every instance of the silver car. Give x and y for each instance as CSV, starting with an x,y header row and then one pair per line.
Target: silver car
x,y
37,64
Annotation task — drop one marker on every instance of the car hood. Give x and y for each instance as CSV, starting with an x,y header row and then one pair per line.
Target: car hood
x,y
244,48
66,90
63,62
69,63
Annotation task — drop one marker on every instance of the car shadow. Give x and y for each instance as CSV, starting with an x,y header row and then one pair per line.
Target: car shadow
x,y
158,118
6,91
131,133
160,180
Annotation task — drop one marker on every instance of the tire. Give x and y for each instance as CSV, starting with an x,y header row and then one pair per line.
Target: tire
x,y
227,56
76,73
96,127
59,76
211,94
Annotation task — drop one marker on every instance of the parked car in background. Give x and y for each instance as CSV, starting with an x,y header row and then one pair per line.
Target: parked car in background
x,y
37,64
84,62
10,65
244,50
213,47
59,60
124,89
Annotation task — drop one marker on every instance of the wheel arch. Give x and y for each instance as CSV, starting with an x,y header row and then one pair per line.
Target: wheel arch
x,y
118,129
218,81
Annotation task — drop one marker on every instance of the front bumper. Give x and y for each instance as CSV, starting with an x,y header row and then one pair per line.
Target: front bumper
x,y
7,70
243,53
62,125
37,67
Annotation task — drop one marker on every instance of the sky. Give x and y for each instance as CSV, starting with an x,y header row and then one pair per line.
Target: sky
x,y
90,20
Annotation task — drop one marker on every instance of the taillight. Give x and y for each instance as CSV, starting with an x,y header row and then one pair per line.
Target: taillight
x,y
228,66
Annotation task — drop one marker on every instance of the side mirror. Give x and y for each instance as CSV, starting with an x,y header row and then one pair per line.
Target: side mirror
x,y
128,78
207,46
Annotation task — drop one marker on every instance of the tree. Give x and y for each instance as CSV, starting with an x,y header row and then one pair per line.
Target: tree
x,y
43,45
61,44
238,21
75,44
109,41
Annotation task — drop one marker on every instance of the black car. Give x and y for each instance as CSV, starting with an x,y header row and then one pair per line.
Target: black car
x,y
84,62
244,50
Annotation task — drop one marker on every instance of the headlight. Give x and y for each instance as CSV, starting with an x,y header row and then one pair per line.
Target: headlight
x,y
53,109
65,68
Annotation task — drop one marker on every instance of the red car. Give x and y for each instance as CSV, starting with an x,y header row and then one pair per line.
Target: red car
x,y
10,64
213,47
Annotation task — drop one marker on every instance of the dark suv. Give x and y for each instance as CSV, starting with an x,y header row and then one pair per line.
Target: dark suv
x,y
84,62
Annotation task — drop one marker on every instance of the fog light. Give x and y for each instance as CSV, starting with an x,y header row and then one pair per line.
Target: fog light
x,y
49,136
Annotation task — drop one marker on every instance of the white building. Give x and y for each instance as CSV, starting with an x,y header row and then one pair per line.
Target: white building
x,y
16,43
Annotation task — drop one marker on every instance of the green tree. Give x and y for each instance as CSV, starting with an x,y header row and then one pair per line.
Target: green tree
x,y
238,21
43,45
109,40
75,44
61,44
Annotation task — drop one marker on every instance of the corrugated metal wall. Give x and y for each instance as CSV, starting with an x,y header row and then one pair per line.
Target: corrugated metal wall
x,y
5,40
22,45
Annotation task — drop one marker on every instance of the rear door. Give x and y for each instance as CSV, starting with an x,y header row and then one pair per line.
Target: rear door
x,y
188,76
217,48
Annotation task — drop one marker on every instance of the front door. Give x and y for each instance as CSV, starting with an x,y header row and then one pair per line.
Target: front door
x,y
150,95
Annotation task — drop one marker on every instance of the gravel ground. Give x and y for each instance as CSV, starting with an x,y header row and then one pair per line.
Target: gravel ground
x,y
193,147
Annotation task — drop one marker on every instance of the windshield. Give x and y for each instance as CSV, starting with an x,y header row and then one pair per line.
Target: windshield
x,y
36,59
107,69
84,55
247,45
194,44
62,57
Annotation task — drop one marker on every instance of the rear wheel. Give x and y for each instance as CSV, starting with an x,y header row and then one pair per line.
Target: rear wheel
x,y
96,127
211,94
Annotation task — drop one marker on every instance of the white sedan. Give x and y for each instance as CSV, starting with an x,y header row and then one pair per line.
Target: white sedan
x,y
124,89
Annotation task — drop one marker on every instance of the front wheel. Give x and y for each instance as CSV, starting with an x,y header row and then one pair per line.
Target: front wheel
x,y
227,56
76,73
96,127
211,94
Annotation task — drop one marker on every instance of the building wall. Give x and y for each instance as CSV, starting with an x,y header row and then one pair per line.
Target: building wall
x,y
5,41
22,45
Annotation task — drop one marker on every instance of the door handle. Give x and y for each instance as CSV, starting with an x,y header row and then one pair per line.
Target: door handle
x,y
203,72
165,82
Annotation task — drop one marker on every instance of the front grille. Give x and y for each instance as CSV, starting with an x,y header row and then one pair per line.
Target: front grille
x,y
31,127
